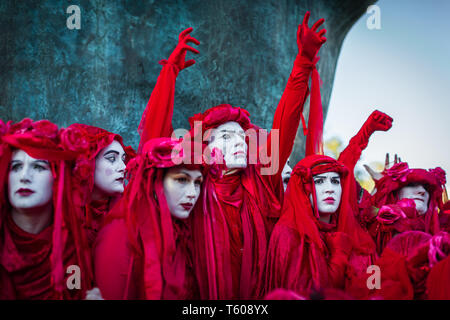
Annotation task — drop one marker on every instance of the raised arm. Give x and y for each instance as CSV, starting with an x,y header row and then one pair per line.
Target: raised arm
x,y
377,121
290,108
156,120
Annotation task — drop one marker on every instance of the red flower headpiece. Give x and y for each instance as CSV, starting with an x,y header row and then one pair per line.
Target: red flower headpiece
x,y
221,114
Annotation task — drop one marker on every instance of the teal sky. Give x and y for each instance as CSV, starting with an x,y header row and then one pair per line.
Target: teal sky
x,y
403,69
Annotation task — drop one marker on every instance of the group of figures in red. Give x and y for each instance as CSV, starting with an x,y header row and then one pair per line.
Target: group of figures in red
x,y
217,213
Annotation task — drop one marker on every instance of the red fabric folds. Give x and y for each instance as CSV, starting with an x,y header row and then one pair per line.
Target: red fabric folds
x,y
314,139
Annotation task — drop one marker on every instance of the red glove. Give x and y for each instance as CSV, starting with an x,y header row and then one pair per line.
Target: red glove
x,y
308,40
178,56
377,121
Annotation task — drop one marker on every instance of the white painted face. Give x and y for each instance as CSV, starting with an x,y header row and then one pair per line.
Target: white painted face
x,y
286,175
328,192
110,170
182,189
229,138
417,193
30,182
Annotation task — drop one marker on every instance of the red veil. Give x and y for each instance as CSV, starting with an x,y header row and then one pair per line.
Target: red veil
x,y
160,246
304,253
36,264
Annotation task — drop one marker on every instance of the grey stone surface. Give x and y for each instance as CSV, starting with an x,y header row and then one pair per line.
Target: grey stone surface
x,y
103,74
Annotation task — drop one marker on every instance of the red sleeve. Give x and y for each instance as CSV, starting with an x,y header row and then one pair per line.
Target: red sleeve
x,y
156,120
289,111
351,154
112,262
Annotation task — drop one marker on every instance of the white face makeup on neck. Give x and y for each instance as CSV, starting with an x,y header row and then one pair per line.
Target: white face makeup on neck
x,y
328,192
286,175
229,138
110,171
418,193
182,188
30,182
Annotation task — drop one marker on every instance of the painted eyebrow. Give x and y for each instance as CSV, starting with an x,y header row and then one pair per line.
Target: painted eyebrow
x,y
186,173
41,161
35,161
111,151
233,131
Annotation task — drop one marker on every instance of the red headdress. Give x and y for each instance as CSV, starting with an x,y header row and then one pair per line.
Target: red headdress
x,y
161,240
218,115
41,140
400,175
303,217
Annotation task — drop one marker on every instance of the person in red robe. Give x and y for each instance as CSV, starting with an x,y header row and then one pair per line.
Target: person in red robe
x,y
98,171
241,207
153,261
314,249
409,199
145,249
44,253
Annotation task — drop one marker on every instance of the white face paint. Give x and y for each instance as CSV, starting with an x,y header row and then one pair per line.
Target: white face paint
x,y
110,170
182,189
229,138
286,175
417,193
328,192
30,182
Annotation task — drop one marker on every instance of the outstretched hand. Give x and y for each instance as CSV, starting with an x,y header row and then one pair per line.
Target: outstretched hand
x,y
379,121
309,40
178,56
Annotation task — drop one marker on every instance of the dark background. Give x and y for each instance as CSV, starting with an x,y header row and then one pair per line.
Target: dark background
x,y
103,74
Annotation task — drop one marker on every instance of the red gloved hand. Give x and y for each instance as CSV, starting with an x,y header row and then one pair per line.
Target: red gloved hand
x,y
339,242
178,56
308,40
378,121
